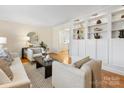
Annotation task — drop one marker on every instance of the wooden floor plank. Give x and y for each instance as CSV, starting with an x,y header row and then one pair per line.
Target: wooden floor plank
x,y
112,80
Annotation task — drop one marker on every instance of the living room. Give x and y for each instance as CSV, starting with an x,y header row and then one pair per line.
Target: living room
x,y
64,46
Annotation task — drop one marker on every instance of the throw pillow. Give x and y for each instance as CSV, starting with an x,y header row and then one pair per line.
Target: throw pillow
x,y
79,63
5,55
3,78
6,69
37,51
62,57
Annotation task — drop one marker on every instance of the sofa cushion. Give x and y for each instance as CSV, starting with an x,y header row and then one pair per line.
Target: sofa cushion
x,y
18,71
3,78
5,55
79,63
6,69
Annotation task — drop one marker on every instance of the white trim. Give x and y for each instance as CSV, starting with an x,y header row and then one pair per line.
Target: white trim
x,y
113,70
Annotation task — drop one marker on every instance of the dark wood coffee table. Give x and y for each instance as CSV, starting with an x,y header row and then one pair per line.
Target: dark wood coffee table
x,y
46,64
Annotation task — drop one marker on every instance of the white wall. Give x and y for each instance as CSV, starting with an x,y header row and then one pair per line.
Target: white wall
x,y
16,34
60,33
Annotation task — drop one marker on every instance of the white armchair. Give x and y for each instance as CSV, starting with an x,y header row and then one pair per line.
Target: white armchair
x,y
33,52
67,76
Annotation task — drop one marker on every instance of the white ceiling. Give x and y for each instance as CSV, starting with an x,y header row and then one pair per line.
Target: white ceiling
x,y
44,15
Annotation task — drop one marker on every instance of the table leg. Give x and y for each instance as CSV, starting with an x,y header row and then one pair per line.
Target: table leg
x,y
48,71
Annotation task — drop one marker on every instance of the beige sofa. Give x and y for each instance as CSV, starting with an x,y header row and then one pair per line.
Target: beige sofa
x,y
20,77
67,76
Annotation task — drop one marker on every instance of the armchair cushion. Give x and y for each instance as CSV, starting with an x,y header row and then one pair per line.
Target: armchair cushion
x,y
6,69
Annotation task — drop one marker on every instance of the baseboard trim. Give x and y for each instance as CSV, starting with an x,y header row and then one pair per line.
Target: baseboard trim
x,y
113,70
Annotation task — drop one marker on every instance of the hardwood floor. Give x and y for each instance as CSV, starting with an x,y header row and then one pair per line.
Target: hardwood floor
x,y
24,60
112,80
109,79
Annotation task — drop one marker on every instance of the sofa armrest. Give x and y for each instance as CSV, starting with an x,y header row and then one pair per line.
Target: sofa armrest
x,y
64,76
30,54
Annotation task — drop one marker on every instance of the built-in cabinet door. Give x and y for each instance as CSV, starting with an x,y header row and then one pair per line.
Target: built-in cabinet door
x,y
74,48
91,48
117,52
81,47
102,50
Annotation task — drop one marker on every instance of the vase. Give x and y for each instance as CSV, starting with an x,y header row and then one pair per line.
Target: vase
x,y
121,34
98,22
122,16
96,36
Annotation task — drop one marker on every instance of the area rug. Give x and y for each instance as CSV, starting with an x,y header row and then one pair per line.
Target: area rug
x,y
36,76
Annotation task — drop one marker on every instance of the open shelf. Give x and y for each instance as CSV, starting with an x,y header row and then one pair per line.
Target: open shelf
x,y
113,30
97,24
97,32
118,10
93,27
117,22
98,16
78,30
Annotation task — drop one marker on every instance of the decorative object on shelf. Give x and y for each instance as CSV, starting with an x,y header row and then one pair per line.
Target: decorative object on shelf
x,y
121,34
78,31
122,16
3,40
97,29
97,36
78,34
98,22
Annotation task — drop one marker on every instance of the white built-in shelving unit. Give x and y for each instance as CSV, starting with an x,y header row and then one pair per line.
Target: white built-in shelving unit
x,y
117,22
109,47
117,44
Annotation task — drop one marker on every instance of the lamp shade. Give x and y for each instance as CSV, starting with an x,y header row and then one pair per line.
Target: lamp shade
x,y
3,40
27,38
